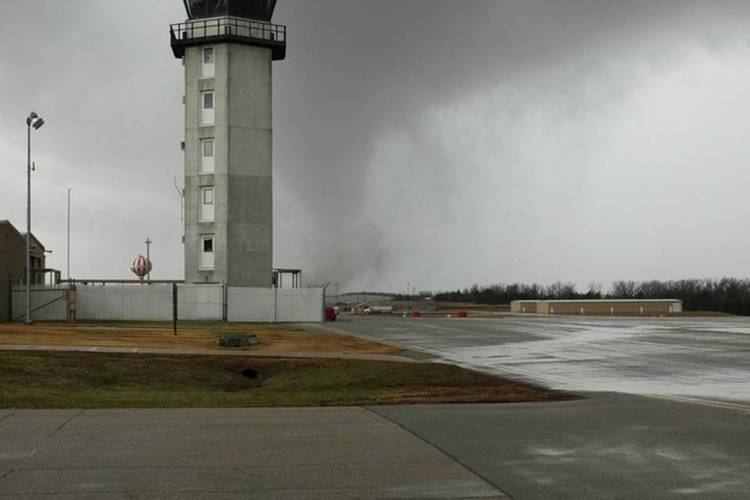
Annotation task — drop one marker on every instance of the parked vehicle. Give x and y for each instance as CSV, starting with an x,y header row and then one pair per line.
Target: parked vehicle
x,y
379,310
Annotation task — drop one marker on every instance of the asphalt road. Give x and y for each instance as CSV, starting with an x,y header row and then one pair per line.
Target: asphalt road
x,y
697,358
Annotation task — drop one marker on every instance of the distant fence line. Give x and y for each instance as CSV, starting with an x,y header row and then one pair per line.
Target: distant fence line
x,y
155,302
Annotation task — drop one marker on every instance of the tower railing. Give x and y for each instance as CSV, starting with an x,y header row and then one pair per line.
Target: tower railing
x,y
228,29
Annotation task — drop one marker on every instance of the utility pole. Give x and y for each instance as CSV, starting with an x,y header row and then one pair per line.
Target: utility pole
x,y
148,257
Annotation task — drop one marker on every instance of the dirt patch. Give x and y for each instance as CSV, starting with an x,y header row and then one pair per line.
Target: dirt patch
x,y
272,338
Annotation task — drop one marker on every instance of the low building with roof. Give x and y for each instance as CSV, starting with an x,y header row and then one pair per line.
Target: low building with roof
x,y
612,307
13,264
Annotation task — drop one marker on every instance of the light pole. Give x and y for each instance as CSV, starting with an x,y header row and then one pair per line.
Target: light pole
x,y
34,120
67,254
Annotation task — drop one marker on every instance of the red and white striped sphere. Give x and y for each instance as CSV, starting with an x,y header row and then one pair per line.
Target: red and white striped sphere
x,y
141,266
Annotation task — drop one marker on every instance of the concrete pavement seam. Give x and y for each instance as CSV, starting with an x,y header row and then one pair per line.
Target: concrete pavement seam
x,y
438,448
130,493
40,443
216,467
724,405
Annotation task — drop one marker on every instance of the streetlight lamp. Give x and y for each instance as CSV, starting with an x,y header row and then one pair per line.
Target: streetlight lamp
x,y
34,120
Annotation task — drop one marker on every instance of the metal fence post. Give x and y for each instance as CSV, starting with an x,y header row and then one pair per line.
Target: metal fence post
x,y
174,308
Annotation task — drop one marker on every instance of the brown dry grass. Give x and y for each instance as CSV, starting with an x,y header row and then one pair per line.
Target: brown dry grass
x,y
272,338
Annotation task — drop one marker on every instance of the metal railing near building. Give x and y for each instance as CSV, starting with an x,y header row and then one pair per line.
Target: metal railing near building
x,y
228,29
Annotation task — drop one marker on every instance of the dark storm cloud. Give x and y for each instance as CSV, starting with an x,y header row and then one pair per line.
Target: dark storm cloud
x,y
365,75
430,141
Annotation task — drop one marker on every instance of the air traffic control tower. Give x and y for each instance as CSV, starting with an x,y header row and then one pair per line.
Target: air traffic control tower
x,y
227,48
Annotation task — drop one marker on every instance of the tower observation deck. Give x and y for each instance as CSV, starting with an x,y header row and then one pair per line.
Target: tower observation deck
x,y
229,21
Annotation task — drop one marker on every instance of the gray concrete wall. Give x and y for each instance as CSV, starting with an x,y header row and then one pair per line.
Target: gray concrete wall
x,y
242,178
250,202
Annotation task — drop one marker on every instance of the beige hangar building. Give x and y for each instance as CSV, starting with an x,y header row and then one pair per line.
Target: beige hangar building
x,y
598,307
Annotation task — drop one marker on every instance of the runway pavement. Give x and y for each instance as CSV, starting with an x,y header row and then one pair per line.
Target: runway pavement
x,y
607,446
317,453
687,357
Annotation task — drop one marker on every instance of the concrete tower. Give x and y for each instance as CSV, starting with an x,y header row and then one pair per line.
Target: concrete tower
x,y
227,48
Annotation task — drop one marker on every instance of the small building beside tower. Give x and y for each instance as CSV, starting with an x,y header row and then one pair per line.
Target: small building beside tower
x,y
13,264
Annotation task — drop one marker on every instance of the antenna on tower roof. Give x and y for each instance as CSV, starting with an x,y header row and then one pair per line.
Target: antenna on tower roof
x,y
181,194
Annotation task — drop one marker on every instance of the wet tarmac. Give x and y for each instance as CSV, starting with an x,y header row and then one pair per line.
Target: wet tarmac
x,y
707,358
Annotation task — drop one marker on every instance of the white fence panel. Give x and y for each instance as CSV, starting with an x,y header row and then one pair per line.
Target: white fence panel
x,y
47,303
200,302
299,304
124,302
154,302
268,305
149,302
250,304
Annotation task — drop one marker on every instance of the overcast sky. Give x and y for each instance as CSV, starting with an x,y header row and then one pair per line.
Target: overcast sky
x,y
440,143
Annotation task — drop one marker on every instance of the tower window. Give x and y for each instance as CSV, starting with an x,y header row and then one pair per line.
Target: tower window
x,y
207,156
207,204
207,252
207,66
207,108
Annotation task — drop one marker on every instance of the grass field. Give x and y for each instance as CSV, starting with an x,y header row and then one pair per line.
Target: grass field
x,y
97,380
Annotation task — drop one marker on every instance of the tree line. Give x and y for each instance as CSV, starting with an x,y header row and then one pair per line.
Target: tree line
x,y
730,295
